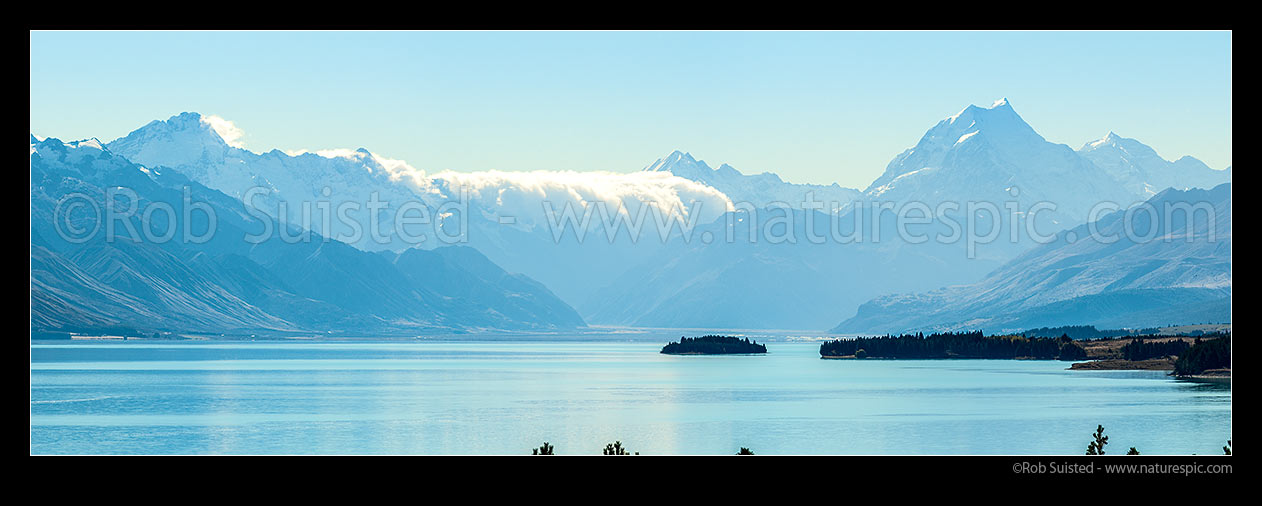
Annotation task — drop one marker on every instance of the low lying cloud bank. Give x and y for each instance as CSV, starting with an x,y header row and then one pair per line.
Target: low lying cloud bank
x,y
524,194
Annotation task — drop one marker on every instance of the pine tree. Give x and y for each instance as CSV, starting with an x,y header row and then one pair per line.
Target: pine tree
x,y
616,448
1097,447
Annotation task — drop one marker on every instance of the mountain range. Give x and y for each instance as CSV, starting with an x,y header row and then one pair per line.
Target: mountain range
x,y
1143,172
1173,267
297,282
188,143
342,282
758,190
980,155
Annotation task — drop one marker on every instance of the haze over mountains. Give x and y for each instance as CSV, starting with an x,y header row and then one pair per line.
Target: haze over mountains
x,y
746,275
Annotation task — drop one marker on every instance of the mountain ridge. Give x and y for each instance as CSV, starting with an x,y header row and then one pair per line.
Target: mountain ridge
x,y
759,190
1070,275
229,284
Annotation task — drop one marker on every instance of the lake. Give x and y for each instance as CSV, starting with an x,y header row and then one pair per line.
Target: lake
x,y
506,397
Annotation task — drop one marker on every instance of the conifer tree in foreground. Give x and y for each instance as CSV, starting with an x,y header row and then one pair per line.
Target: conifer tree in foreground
x,y
1097,447
616,448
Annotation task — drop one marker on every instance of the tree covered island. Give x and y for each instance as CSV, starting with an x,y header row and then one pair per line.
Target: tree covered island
x,y
713,345
954,345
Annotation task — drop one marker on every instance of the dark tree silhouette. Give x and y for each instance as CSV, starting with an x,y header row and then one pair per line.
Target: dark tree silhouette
x,y
1139,349
955,345
1086,332
1204,355
616,448
744,451
713,345
1132,451
1097,447
546,449
1227,449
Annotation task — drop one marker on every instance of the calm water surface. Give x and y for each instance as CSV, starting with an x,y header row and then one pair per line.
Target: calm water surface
x,y
508,397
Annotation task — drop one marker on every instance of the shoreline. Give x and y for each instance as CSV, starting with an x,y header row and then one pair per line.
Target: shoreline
x,y
1209,376
704,353
1118,364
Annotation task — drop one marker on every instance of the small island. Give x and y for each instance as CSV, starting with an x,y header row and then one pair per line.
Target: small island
x,y
713,345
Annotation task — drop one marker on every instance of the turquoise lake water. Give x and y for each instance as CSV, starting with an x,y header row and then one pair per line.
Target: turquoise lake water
x,y
505,397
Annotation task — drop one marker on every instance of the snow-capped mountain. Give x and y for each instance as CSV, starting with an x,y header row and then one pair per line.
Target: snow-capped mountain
x,y
993,155
1143,172
190,144
981,155
757,189
1173,267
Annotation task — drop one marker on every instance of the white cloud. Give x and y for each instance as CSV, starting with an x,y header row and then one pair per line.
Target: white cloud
x,y
522,194
397,170
230,133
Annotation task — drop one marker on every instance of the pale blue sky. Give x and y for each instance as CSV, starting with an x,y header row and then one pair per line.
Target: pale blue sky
x,y
812,106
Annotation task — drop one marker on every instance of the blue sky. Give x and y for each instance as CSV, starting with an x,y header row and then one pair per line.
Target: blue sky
x,y
812,106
